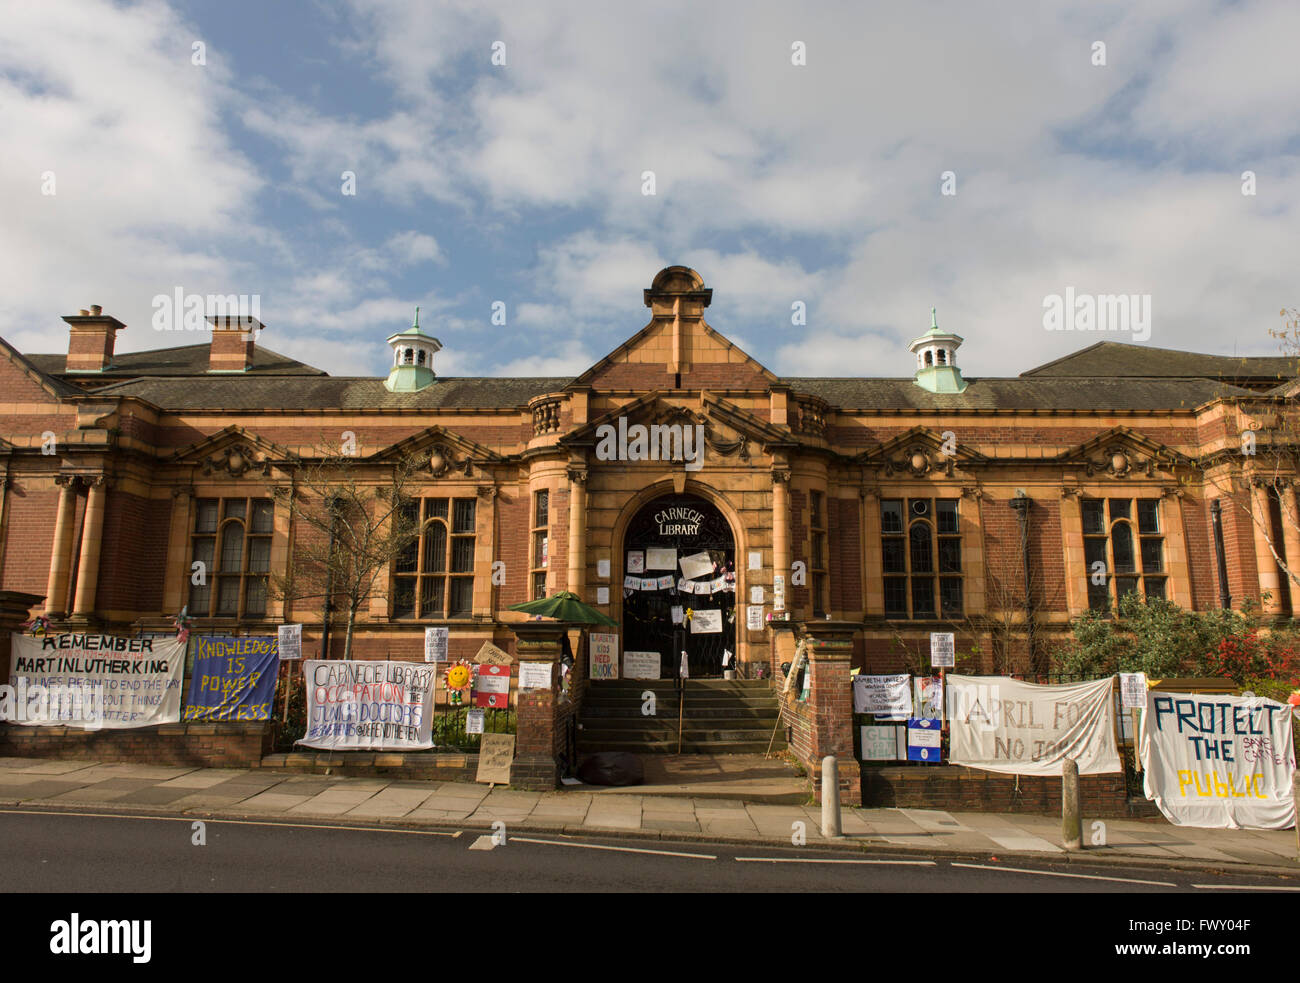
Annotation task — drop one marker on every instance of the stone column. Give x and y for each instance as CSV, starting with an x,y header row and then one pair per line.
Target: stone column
x,y
577,574
56,594
1291,538
1265,565
830,705
176,583
537,734
92,532
781,528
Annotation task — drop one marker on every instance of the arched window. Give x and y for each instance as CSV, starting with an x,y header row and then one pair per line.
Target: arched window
x,y
419,357
232,539
409,357
943,357
929,357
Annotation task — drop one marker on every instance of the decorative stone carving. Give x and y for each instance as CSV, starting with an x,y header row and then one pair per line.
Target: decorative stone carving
x,y
1120,462
807,415
918,461
546,417
442,461
679,415
577,475
237,460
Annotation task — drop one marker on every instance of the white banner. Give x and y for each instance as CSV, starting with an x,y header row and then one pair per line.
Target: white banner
x,y
1005,725
94,681
888,697
369,704
1224,762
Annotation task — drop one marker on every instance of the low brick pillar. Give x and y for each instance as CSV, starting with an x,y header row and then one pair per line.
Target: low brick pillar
x,y
537,731
830,705
14,606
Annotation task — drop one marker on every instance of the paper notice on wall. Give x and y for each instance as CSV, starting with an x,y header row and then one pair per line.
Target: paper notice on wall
x,y
778,592
641,665
756,595
1219,762
636,561
887,697
603,663
883,743
1133,690
632,583
650,583
677,613
755,561
696,565
665,582
435,644
474,721
706,622
1001,724
660,559
754,617
534,675
602,569
290,642
602,595
927,696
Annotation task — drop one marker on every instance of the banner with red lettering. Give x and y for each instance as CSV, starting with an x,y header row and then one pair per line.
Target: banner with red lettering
x,y
373,705
1001,724
1222,762
93,681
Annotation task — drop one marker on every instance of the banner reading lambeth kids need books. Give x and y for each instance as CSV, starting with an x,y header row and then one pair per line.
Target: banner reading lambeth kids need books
x,y
1224,762
373,705
1001,724
131,682
233,678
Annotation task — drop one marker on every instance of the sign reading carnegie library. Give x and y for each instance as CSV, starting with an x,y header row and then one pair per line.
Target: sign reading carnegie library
x,y
889,502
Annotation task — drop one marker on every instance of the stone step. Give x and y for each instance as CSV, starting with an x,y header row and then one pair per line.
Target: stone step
x,y
627,727
670,712
698,702
687,746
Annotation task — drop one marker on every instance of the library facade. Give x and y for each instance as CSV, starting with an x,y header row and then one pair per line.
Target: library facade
x,y
677,485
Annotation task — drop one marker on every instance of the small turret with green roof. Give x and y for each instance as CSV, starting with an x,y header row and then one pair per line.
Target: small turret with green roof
x,y
936,359
413,352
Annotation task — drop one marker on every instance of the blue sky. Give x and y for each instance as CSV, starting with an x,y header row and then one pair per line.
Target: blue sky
x,y
522,183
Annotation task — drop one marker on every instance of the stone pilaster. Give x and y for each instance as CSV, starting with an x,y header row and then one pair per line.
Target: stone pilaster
x,y
56,594
537,732
577,572
1265,565
830,705
92,532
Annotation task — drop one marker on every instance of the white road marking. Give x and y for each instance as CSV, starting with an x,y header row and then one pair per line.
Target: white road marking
x,y
228,822
620,849
1244,887
1053,873
485,842
820,860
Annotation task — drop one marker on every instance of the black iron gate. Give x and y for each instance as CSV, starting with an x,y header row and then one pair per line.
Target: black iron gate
x,y
648,625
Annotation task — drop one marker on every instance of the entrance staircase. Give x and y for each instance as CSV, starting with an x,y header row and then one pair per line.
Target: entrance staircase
x,y
721,716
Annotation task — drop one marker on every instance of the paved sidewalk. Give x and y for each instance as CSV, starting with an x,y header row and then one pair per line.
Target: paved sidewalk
x,y
280,796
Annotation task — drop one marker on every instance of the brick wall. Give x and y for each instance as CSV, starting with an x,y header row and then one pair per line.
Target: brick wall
x,y
30,513
132,561
956,789
217,745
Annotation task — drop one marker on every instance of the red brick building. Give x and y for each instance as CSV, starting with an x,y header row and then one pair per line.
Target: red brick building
x,y
903,505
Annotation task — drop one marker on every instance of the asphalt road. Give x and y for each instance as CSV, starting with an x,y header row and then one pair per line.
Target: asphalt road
x,y
87,853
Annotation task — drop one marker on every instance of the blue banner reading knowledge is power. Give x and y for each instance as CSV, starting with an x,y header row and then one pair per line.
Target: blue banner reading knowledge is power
x,y
234,678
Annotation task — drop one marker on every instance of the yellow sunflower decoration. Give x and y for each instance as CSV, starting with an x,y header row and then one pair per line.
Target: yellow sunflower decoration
x,y
459,676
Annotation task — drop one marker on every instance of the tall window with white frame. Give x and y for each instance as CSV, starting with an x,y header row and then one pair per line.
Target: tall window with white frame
x,y
920,541
232,541
1124,549
817,566
541,542
434,577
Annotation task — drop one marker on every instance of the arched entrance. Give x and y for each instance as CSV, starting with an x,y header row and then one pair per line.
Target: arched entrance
x,y
698,617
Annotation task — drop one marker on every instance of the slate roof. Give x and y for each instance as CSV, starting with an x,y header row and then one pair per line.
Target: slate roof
x,y
1119,360
1020,393
187,360
250,392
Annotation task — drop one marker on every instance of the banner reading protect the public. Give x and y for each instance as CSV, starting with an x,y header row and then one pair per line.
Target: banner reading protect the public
x,y
233,678
93,681
369,705
1224,762
1001,724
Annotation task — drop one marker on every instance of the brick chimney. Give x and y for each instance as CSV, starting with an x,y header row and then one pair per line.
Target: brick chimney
x,y
90,344
233,340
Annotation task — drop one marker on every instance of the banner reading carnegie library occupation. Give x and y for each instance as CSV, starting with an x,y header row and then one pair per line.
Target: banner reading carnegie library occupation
x,y
1005,725
375,705
135,682
1225,762
233,678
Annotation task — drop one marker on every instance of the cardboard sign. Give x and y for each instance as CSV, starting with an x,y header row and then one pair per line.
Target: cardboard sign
x,y
490,655
496,752
943,650
290,641
641,665
603,662
492,687
435,644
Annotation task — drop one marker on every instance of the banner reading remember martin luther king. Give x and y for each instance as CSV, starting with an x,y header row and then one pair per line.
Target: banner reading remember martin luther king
x,y
133,682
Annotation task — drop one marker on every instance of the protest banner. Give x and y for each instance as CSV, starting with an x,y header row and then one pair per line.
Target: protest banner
x,y
886,697
369,705
1221,762
94,681
233,678
496,753
1001,724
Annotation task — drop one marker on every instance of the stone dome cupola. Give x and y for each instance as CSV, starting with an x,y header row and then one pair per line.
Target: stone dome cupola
x,y
936,359
413,352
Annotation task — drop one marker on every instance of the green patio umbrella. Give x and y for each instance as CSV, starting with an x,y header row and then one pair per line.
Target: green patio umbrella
x,y
565,606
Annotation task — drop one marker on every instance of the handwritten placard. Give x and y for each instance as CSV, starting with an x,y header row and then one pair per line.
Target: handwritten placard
x,y
496,752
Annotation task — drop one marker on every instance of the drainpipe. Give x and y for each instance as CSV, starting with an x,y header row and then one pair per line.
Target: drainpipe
x,y
1021,503
329,588
1216,519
